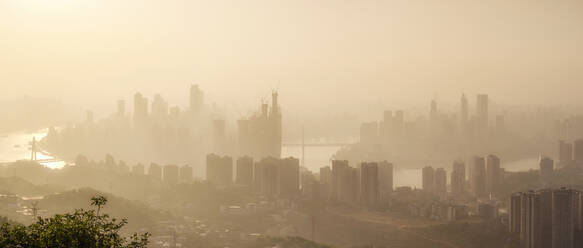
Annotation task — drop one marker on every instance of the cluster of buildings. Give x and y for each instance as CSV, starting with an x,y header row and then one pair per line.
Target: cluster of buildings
x,y
154,130
485,178
273,178
260,135
550,218
438,210
369,184
392,127
571,154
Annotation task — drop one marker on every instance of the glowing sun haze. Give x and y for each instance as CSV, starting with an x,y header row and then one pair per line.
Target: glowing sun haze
x,y
332,53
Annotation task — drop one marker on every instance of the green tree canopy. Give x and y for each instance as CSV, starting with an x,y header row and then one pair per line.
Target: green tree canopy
x,y
83,228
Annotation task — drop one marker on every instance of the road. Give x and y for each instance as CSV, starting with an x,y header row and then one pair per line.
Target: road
x,y
403,225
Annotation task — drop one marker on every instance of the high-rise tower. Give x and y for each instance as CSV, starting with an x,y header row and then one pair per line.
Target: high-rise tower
x,y
464,111
482,110
196,99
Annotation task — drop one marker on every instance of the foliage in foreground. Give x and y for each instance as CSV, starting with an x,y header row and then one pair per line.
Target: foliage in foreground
x,y
83,228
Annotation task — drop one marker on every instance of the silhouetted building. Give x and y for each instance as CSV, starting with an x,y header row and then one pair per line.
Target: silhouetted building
x,y
578,151
433,114
487,211
385,179
546,217
171,173
138,169
479,177
260,135
326,182
159,112
349,186
122,167
155,171
338,166
121,108
458,178
385,127
140,110
482,110
257,176
533,221
196,99
440,181
464,112
288,178
546,170
530,216
369,185
492,174
514,215
563,213
219,169
428,176
245,171
565,153
269,177
186,175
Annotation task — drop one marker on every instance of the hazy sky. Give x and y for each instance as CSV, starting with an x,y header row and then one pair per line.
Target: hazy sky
x,y
331,53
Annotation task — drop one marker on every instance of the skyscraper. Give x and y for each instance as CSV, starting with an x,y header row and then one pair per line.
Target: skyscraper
x,y
349,186
464,111
386,127
440,181
385,179
196,99
514,213
338,166
458,178
565,153
244,171
533,221
578,151
531,216
138,169
428,179
159,108
288,178
492,174
140,110
186,174
171,174
260,134
482,110
433,111
326,181
369,185
546,170
219,170
479,177
121,108
562,212
155,171
269,177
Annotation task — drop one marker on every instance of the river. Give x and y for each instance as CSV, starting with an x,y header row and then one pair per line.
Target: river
x,y
16,146
317,157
